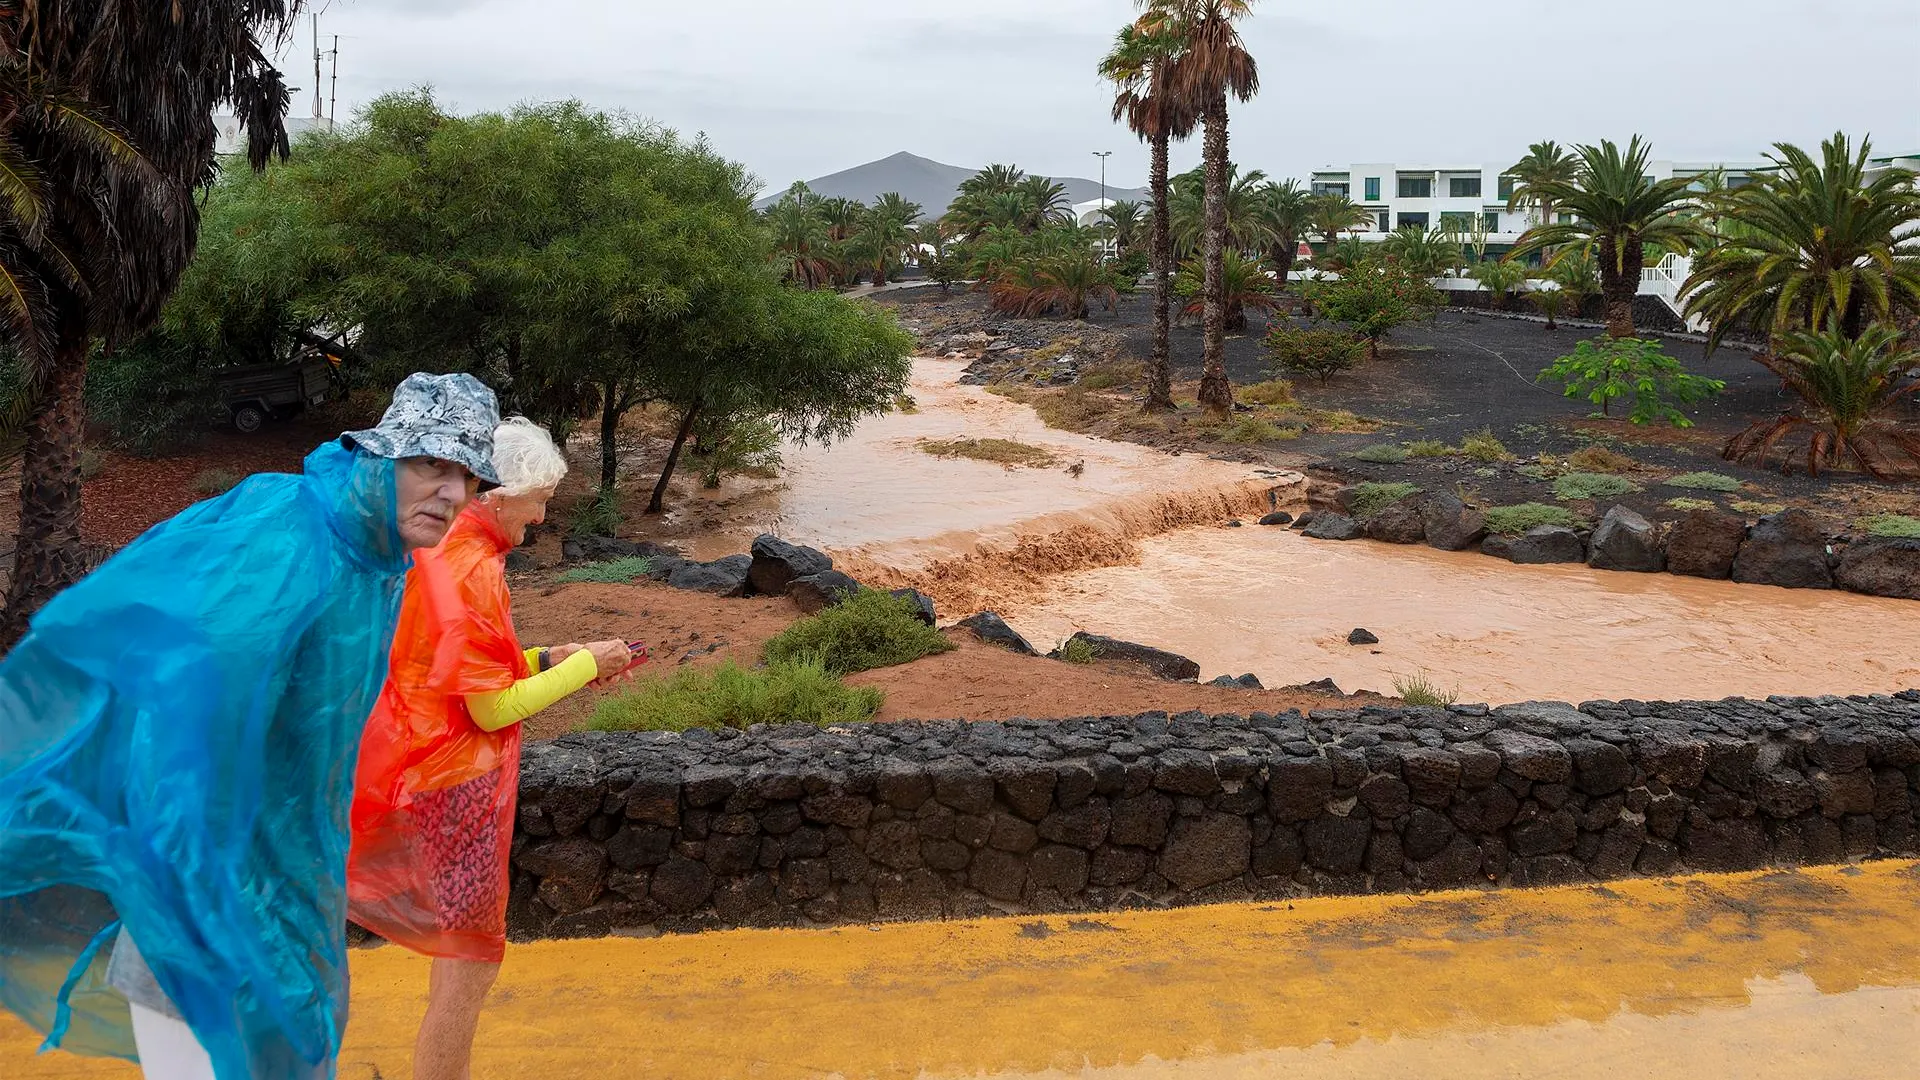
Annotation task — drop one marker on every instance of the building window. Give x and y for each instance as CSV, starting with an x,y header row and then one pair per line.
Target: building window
x,y
1330,187
1383,221
1456,220
1491,221
1414,221
1373,189
1506,187
1463,187
1566,219
1416,187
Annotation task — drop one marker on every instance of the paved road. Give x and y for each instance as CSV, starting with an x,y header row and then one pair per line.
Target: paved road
x,y
1804,975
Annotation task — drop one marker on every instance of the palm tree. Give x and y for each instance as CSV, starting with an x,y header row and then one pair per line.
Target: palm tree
x,y
1848,386
1500,277
1425,253
1247,285
1212,65
1140,66
1125,218
1618,210
1544,165
1245,211
1819,246
800,239
993,179
1551,303
887,233
1349,253
1047,201
1066,281
1332,214
106,128
1286,216
1577,275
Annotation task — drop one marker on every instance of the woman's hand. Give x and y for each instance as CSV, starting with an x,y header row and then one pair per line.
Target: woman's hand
x,y
611,657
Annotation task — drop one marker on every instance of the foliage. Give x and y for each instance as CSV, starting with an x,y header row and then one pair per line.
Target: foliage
x,y
152,395
1286,216
1078,650
610,572
1112,374
1253,430
1599,459
1608,368
1425,253
729,696
1246,211
1849,389
1381,454
1818,246
1537,177
1754,506
215,481
597,515
1005,196
1484,445
1891,525
1316,351
1573,486
1270,392
1245,284
1704,481
1514,520
1551,303
1064,280
998,451
735,446
1499,277
1126,223
92,463
1428,448
1685,504
1372,496
1422,690
1333,215
1577,274
870,629
1373,301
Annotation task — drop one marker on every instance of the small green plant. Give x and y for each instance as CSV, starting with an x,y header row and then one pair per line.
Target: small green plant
x,y
1683,504
869,629
596,515
904,403
1605,369
736,446
998,451
1890,525
1484,446
1271,392
1421,689
1704,481
1078,650
1370,497
611,572
92,463
1750,506
1112,375
215,481
1314,351
1381,454
1514,520
1250,430
799,691
1428,448
1568,487
1599,459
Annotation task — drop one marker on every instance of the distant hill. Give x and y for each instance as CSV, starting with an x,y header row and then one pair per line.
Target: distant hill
x,y
929,183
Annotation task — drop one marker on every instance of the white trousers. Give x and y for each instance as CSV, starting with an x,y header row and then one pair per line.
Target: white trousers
x,y
168,1050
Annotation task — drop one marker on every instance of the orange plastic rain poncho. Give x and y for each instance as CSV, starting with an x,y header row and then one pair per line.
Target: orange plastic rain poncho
x,y
435,796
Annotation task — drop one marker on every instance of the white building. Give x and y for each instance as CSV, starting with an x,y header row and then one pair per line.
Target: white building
x,y
228,138
1468,198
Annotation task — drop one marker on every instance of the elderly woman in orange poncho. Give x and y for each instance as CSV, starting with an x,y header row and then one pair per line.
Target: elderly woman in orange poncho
x,y
439,764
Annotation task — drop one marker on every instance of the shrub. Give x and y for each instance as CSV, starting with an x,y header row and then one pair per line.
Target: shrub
x,y
1704,481
215,481
1339,420
729,696
1599,459
1072,409
152,395
92,463
1078,650
1371,497
597,515
1585,485
1750,506
611,572
1248,430
736,446
1483,445
1604,369
1514,520
1373,300
1426,448
1317,352
1890,525
1381,454
998,451
1684,504
1109,376
869,629
1271,392
1422,690
1545,467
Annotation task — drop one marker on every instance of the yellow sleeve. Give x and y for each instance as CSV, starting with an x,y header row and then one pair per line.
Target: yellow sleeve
x,y
503,708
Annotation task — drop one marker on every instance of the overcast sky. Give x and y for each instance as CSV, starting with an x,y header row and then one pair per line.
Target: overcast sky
x,y
796,90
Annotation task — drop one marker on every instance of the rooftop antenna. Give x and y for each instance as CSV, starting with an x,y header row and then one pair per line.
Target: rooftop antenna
x,y
333,88
316,65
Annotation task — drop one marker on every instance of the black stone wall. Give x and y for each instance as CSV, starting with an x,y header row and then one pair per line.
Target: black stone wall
x,y
796,825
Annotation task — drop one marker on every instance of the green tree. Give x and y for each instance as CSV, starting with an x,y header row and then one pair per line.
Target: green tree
x,y
1606,369
1332,215
886,237
1286,212
1819,246
1539,176
1500,277
1125,220
1247,285
1426,253
107,131
1551,303
1373,299
800,237
1577,275
1850,389
1246,214
1140,66
1619,211
1211,66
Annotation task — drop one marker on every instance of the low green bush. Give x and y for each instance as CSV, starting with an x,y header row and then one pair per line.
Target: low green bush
x,y
729,696
1316,352
1891,525
1381,454
1250,430
1684,504
611,572
1422,690
1428,448
1078,650
597,515
869,629
1484,446
1514,520
1704,481
1371,497
1270,392
1582,485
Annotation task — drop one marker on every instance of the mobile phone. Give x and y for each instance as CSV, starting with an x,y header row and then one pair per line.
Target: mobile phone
x,y
640,654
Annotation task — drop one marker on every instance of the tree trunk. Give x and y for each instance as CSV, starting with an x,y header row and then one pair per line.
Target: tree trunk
x,y
673,457
609,436
1216,393
1283,257
46,547
1619,281
1160,368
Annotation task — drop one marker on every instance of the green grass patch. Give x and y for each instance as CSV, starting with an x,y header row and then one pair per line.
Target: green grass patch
x,y
1514,520
869,629
1890,525
1078,650
1271,392
998,451
1421,689
1599,459
1568,487
1484,446
1339,421
1371,497
1684,504
596,515
215,481
1751,506
1428,448
730,696
1704,481
1248,430
1112,376
612,572
1381,454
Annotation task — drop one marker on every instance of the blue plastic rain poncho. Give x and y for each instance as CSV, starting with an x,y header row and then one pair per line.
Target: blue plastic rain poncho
x,y
177,742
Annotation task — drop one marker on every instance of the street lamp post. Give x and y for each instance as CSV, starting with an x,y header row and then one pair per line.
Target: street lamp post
x,y
1103,155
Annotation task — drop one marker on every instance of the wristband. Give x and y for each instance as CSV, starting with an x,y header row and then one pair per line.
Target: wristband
x,y
546,659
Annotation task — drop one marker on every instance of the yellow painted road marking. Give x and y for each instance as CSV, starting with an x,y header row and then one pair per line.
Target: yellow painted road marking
x,y
1803,974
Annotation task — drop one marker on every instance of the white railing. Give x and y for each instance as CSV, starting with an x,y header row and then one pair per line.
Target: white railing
x,y
1664,280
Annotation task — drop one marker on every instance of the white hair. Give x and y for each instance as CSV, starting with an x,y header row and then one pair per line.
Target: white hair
x,y
525,457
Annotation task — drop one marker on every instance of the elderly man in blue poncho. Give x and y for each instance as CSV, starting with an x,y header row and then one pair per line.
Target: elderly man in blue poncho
x,y
177,743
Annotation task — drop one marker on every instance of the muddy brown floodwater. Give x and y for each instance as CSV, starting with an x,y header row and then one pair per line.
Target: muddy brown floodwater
x,y
1134,547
